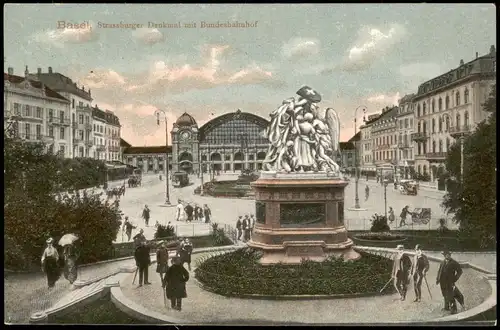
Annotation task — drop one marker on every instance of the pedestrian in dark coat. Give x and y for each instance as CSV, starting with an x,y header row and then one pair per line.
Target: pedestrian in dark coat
x,y
139,238
246,228
238,227
419,269
403,215
175,279
146,215
189,212
207,213
128,227
448,274
162,261
186,249
143,261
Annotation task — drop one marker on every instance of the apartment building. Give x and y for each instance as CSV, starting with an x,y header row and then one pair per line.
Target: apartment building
x,y
385,138
107,130
80,132
449,107
37,112
367,146
405,160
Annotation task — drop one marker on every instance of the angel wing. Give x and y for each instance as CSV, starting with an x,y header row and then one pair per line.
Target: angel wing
x,y
333,122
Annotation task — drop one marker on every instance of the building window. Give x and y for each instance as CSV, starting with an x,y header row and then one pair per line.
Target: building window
x,y
447,123
401,124
61,116
447,144
39,112
62,150
440,125
27,131
424,109
227,158
73,103
38,132
447,102
251,157
457,99
17,109
51,132
411,123
80,119
433,106
440,104
433,146
95,128
466,118
458,120
466,96
87,120
61,133
27,111
433,128
440,146
406,123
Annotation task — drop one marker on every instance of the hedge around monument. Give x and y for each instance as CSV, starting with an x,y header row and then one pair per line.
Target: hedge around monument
x,y
238,273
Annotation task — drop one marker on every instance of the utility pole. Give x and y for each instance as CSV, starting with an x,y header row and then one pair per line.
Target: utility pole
x,y
167,191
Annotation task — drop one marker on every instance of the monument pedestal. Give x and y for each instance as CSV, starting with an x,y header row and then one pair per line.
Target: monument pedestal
x,y
300,216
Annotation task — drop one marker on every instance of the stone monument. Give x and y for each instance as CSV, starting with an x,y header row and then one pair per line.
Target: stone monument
x,y
299,195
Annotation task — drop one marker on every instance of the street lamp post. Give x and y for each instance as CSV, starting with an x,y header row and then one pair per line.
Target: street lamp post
x,y
356,160
386,182
167,192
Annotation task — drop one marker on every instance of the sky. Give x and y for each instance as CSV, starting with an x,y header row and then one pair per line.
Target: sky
x,y
354,55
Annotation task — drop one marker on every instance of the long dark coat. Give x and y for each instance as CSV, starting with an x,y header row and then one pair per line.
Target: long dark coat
x,y
449,272
176,278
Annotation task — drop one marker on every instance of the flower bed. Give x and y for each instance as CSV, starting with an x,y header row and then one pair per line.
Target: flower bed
x,y
384,239
239,273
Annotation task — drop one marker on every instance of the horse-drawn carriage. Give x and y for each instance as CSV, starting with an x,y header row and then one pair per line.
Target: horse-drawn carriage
x,y
408,187
134,181
421,215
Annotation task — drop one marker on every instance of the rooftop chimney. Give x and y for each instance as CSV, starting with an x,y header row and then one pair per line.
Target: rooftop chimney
x,y
39,71
26,72
477,54
50,69
10,71
461,62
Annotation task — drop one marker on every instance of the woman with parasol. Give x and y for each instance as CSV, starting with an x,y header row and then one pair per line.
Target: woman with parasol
x,y
70,256
50,257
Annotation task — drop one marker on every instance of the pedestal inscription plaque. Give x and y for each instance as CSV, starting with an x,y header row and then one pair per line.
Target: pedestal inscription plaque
x,y
302,215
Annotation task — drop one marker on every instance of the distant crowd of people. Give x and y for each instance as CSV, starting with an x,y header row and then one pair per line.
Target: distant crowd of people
x,y
188,212
244,226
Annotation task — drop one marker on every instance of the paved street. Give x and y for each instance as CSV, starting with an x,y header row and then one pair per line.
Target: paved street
x,y
226,211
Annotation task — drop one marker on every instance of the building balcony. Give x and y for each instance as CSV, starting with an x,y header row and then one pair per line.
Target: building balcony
x,y
113,149
421,157
31,137
89,143
101,147
383,146
83,109
74,125
436,155
419,137
460,131
88,127
58,121
77,140
404,145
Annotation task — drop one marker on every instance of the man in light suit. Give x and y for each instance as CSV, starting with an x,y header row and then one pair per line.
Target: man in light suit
x,y
448,274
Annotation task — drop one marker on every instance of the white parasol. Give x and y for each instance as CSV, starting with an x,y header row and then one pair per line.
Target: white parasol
x,y
67,239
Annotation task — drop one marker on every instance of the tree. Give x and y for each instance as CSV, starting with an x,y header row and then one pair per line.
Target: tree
x,y
472,199
35,208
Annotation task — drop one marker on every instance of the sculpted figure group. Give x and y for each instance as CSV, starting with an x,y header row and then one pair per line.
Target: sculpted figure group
x,y
302,137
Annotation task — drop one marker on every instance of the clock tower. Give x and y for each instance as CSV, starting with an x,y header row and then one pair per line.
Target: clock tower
x,y
185,145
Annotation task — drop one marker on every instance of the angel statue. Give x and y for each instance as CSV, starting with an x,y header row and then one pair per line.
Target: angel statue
x,y
302,137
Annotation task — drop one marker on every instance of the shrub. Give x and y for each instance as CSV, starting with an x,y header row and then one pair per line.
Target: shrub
x,y
379,223
164,231
34,209
239,273
219,237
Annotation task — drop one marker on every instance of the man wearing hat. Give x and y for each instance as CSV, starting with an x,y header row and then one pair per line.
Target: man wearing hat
x,y
238,227
142,261
139,238
246,228
419,269
162,261
448,274
401,271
